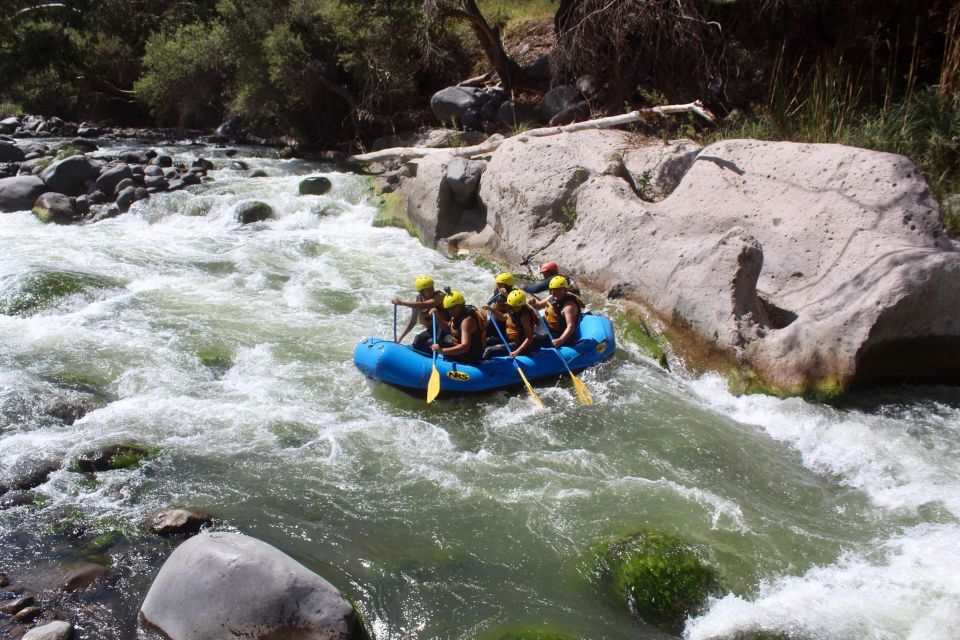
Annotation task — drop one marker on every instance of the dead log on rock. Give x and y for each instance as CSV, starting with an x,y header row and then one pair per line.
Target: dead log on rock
x,y
406,153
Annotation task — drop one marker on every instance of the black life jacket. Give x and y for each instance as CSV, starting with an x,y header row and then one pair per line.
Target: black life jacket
x,y
478,340
555,318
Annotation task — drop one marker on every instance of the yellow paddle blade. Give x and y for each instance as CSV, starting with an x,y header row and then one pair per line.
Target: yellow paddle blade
x,y
582,393
433,387
533,394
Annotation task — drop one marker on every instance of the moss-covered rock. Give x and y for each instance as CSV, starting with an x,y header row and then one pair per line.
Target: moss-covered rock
x,y
391,212
104,541
216,357
518,632
743,381
41,288
660,579
651,344
115,456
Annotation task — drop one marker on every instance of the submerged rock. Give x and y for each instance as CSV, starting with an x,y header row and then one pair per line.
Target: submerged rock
x,y
218,581
66,576
17,604
56,630
112,457
30,475
253,211
527,633
41,288
659,578
173,522
315,186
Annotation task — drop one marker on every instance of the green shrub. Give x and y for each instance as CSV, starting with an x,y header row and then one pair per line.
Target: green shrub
x,y
8,109
185,74
659,578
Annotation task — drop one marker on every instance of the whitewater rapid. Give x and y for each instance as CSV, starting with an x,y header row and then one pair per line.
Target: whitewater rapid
x,y
448,520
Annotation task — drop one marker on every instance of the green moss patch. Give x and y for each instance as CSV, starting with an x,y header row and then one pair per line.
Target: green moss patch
x,y
42,288
519,632
104,541
116,456
391,212
216,357
651,344
43,214
742,381
659,578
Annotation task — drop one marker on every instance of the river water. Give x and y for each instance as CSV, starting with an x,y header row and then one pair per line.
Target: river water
x,y
443,521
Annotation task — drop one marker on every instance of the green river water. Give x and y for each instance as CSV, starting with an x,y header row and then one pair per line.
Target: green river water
x,y
229,349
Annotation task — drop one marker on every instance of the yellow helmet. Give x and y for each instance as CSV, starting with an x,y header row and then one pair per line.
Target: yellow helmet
x,y
517,298
558,282
423,282
452,299
505,278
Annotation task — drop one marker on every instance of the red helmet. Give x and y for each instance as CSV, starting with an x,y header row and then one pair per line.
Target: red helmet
x,y
549,266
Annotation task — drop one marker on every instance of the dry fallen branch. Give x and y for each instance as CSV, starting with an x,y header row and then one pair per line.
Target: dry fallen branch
x,y
487,146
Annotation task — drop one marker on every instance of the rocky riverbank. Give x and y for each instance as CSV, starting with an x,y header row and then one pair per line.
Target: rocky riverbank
x,y
795,269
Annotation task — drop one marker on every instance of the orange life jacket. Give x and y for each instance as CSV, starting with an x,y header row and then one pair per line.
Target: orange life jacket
x,y
515,323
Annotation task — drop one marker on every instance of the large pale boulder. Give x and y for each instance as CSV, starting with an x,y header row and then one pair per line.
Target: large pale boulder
x,y
56,630
432,207
216,582
811,268
463,177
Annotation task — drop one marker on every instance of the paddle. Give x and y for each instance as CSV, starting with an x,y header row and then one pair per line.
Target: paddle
x,y
582,393
394,323
433,387
533,394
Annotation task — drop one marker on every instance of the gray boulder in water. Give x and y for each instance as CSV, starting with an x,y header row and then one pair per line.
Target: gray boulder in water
x,y
253,211
70,176
226,581
10,152
54,207
315,186
20,192
109,179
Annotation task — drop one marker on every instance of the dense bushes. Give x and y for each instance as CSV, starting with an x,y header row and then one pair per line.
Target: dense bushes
x,y
186,73
315,69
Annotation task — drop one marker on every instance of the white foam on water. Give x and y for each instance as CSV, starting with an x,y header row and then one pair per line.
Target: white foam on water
x,y
870,452
908,588
904,586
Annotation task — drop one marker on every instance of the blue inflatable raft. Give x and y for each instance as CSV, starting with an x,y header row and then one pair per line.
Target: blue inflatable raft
x,y
401,366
